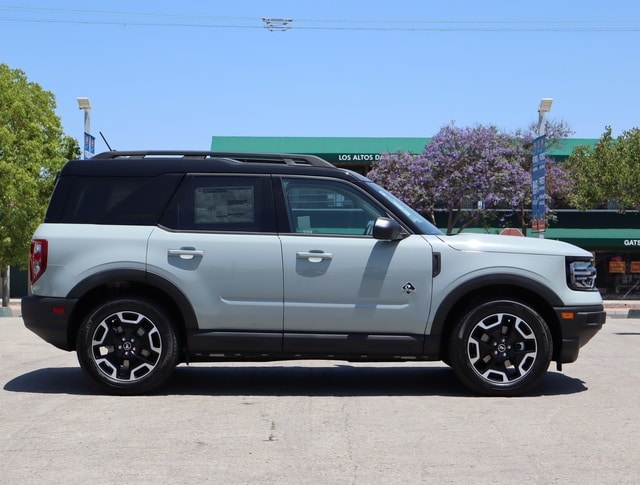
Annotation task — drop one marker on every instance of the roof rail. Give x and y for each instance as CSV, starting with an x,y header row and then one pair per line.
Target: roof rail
x,y
246,157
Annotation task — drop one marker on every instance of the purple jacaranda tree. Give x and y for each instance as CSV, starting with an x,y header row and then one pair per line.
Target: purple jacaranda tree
x,y
479,170
408,177
476,175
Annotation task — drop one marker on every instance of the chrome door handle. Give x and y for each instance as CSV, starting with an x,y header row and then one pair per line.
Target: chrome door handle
x,y
313,256
186,253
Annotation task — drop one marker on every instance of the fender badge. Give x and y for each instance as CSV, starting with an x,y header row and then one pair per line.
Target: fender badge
x,y
409,288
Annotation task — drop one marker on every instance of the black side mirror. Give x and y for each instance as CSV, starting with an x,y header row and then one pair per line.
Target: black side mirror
x,y
387,229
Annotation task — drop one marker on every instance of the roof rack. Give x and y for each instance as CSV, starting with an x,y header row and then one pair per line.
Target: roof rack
x,y
246,157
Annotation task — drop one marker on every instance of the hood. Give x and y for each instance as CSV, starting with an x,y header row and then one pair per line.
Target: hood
x,y
493,243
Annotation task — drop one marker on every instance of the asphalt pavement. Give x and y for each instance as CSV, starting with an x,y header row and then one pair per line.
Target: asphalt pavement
x,y
320,422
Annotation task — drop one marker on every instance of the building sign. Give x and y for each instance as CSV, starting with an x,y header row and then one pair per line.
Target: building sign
x,y
358,157
617,265
538,188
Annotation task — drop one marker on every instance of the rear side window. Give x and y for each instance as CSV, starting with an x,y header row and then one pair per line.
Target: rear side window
x,y
222,203
111,200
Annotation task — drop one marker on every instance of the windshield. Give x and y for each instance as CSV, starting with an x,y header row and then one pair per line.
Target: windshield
x,y
425,226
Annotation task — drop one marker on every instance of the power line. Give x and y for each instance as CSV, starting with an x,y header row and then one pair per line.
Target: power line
x,y
145,19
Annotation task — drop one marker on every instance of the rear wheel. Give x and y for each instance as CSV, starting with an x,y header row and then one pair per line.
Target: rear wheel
x,y
501,348
128,346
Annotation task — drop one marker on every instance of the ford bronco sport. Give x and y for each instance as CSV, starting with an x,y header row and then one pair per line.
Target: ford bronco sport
x,y
150,259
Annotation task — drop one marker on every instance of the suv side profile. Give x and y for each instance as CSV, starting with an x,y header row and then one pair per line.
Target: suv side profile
x,y
149,259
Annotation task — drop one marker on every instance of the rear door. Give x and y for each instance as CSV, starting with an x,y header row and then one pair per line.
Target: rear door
x,y
219,246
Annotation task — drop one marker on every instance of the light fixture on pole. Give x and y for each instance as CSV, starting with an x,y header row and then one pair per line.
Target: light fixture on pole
x,y
89,141
85,105
545,107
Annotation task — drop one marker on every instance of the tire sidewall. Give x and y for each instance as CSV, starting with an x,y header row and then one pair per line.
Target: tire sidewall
x,y
459,347
168,358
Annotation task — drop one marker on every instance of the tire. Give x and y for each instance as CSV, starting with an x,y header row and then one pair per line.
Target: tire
x,y
128,346
501,348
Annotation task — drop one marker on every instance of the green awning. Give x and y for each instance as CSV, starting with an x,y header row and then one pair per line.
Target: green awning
x,y
597,238
565,146
350,149
585,238
332,149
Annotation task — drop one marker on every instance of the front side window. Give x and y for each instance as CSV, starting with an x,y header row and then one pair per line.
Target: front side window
x,y
425,226
222,203
320,206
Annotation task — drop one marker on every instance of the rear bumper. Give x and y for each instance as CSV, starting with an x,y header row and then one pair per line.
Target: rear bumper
x,y
49,319
578,325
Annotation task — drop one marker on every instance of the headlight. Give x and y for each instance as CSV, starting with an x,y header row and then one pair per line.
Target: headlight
x,y
581,274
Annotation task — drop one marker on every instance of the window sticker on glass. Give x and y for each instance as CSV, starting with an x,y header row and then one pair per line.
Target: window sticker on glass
x,y
224,205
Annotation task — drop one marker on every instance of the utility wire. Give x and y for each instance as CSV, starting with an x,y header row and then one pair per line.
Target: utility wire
x,y
146,19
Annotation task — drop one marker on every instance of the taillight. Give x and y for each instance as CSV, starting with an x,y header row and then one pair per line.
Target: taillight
x,y
38,258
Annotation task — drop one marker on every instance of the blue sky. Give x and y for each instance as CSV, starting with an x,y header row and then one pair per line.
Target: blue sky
x,y
170,75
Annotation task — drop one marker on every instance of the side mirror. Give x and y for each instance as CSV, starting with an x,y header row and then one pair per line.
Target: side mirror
x,y
387,229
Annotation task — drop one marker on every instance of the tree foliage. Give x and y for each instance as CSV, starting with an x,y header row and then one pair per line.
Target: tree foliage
x,y
608,172
479,170
555,131
408,177
474,174
33,147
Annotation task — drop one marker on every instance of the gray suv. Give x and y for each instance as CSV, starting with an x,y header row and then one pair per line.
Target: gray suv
x,y
150,259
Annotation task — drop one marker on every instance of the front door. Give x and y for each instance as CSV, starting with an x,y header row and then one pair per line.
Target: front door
x,y
345,291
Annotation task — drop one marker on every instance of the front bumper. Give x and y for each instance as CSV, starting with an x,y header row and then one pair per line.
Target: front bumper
x,y
49,319
578,325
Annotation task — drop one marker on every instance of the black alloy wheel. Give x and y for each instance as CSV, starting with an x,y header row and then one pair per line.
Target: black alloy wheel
x,y
501,348
128,346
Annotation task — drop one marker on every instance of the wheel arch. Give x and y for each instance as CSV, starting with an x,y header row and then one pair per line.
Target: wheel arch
x,y
471,293
131,283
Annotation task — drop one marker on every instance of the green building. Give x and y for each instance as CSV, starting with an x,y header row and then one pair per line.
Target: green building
x,y
612,237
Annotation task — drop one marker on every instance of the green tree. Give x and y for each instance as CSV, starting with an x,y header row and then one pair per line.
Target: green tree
x,y
33,147
608,172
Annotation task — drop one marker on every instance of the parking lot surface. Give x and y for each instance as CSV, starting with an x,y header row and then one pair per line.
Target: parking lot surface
x,y
320,422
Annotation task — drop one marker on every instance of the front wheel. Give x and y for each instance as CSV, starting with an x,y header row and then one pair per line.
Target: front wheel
x,y
501,348
128,346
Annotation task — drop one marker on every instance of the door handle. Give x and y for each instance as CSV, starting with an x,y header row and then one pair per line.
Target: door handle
x,y
313,256
186,253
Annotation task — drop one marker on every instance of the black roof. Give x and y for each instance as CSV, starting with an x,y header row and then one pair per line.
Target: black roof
x,y
155,162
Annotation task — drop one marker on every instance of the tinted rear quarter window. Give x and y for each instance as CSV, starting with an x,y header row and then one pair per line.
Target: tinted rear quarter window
x,y
111,200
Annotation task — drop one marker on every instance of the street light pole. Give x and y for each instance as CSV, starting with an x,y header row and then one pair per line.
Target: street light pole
x,y
538,172
89,142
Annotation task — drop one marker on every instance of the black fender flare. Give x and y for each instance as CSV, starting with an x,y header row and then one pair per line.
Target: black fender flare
x,y
144,278
518,283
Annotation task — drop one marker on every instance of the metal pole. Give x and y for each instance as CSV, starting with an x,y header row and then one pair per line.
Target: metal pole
x,y
541,131
87,120
541,127
545,107
85,105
